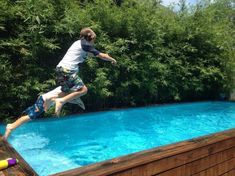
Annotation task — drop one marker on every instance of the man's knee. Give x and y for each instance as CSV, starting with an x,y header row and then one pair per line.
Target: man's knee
x,y
84,89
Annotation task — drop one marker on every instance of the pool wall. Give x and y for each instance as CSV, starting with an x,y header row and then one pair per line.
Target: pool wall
x,y
20,169
211,155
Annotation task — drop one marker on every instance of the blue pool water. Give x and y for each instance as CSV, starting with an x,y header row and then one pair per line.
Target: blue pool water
x,y
59,144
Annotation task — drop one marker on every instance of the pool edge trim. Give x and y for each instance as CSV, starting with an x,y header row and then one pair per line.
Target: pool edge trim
x,y
10,152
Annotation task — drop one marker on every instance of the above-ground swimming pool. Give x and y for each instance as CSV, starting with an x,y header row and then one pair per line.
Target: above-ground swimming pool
x,y
59,144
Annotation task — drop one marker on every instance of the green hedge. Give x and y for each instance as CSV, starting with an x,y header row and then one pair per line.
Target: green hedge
x,y
163,56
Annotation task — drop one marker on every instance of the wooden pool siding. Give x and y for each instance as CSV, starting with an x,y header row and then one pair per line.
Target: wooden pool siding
x,y
21,169
212,155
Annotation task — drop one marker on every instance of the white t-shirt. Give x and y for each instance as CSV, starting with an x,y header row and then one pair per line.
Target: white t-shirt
x,y
76,54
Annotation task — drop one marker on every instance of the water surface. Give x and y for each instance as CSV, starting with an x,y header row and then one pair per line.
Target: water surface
x,y
59,144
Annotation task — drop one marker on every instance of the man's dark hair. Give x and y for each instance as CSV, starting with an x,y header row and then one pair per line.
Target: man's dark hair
x,y
87,34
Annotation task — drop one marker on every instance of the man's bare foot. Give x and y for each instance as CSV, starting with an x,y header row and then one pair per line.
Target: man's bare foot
x,y
8,131
58,106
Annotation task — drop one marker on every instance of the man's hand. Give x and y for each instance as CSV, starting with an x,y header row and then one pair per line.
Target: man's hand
x,y
114,62
106,57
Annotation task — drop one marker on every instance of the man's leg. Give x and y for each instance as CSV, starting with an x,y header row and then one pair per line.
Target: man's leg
x,y
59,102
50,96
17,123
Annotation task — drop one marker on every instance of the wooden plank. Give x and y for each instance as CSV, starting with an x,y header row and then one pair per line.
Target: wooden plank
x,y
138,171
201,164
230,173
219,169
153,155
21,169
188,157
168,163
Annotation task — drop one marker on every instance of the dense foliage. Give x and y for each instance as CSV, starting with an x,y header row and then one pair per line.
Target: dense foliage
x,y
163,55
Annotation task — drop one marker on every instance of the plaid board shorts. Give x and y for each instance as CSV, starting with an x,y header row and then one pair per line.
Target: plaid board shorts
x,y
36,110
68,80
